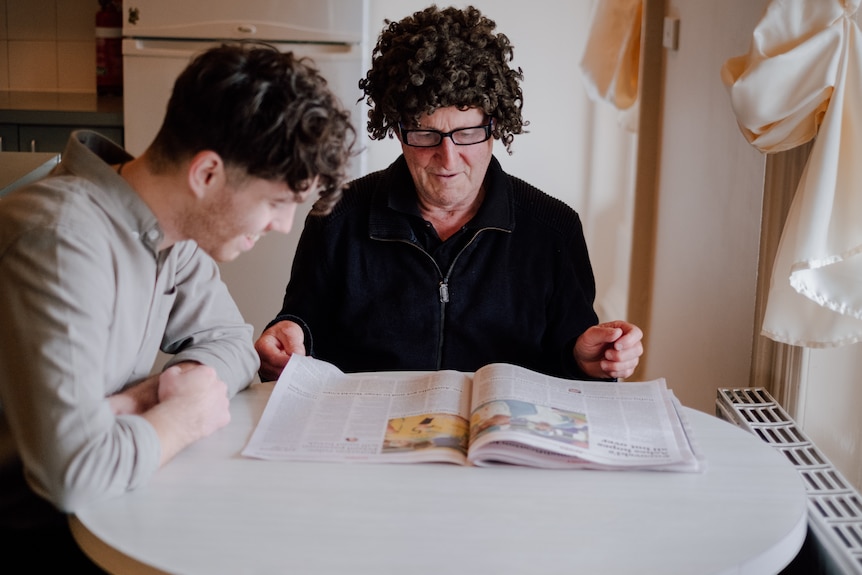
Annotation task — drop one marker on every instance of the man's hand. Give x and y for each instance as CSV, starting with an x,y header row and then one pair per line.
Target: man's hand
x,y
136,399
193,403
142,396
276,345
611,349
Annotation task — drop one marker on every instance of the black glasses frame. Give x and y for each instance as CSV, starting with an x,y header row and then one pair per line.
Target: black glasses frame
x,y
405,133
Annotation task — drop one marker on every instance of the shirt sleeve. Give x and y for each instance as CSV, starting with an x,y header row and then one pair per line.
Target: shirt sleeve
x,y
205,324
57,312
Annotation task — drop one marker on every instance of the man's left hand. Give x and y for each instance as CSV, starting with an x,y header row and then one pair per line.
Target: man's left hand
x,y
609,350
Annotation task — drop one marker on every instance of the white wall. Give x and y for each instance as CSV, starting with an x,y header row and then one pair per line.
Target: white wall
x,y
709,206
829,407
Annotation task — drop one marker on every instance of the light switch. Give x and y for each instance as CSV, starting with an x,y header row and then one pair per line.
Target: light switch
x,y
670,33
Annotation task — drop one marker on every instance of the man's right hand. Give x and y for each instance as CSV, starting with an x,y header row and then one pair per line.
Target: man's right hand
x,y
193,403
276,345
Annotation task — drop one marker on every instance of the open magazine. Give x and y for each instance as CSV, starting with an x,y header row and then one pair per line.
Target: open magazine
x,y
502,414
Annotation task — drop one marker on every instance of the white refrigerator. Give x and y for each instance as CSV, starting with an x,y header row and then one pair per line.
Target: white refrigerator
x,y
159,39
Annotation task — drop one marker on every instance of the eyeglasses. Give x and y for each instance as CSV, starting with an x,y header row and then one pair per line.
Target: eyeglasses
x,y
459,137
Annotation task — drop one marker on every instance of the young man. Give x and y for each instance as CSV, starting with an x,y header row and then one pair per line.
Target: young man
x,y
111,258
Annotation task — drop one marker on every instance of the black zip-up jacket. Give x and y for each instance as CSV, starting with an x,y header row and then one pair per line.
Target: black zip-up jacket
x,y
515,285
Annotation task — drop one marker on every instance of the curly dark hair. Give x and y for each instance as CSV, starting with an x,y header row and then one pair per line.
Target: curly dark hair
x,y
440,58
268,114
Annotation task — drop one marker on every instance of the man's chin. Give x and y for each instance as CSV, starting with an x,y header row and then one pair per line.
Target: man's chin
x,y
224,254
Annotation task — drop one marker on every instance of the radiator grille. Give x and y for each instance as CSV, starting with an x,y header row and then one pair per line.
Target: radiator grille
x,y
834,506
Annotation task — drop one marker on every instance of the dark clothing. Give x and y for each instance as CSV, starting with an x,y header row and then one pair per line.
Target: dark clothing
x,y
45,550
35,536
376,290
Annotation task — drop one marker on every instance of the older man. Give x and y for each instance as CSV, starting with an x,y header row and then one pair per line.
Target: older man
x,y
442,260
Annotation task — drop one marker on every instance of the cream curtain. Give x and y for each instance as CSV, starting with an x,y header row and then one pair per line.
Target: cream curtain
x,y
611,60
802,78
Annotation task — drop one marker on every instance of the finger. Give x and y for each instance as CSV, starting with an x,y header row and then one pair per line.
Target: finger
x,y
619,373
603,334
270,371
626,350
620,368
617,324
171,373
297,347
628,340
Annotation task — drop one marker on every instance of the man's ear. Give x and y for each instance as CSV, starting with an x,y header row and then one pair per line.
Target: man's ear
x,y
206,172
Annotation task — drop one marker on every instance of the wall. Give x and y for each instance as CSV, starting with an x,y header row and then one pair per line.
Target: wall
x,y
708,214
48,45
829,407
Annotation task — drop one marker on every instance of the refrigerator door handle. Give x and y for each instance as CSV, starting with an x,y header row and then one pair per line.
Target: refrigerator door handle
x,y
171,48
162,49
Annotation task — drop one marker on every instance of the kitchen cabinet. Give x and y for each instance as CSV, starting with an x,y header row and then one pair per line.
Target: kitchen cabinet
x,y
40,138
42,122
8,138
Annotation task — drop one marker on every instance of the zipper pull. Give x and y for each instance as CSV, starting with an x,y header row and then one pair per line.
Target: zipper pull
x,y
444,292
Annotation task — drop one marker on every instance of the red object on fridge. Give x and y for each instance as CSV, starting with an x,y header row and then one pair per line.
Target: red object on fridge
x,y
109,49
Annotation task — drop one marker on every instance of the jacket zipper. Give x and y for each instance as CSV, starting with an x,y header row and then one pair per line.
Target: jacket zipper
x,y
443,285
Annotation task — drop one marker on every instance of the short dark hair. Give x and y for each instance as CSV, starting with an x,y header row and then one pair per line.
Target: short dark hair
x,y
440,58
267,113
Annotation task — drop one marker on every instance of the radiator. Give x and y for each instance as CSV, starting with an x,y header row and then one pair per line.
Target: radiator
x,y
834,506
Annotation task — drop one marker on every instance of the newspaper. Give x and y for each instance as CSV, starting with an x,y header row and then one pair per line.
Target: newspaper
x,y
502,414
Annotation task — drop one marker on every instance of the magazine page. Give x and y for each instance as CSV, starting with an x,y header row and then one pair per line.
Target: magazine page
x,y
526,418
318,413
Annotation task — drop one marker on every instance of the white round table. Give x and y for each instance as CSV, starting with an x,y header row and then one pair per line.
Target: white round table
x,y
211,511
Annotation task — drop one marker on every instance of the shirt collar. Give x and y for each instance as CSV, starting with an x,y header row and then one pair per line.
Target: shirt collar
x,y
90,155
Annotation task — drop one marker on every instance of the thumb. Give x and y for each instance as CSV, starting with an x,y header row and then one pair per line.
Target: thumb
x,y
294,348
605,334
173,371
